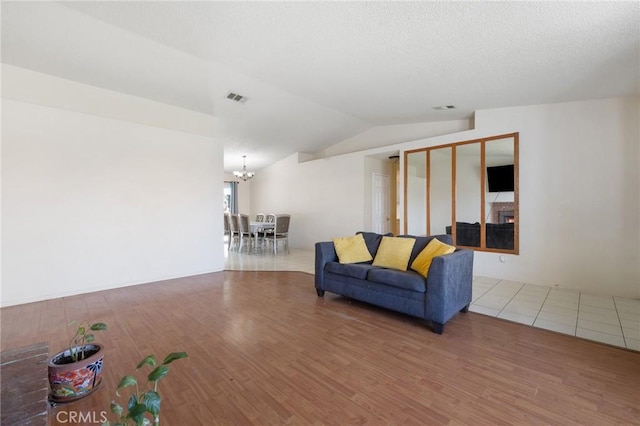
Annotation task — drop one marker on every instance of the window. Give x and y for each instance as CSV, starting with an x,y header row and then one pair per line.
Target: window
x,y
467,189
230,199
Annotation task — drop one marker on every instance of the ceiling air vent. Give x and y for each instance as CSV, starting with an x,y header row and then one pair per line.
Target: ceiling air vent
x,y
236,97
443,107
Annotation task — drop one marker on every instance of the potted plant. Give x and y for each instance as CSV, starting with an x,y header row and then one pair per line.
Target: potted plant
x,y
143,404
77,371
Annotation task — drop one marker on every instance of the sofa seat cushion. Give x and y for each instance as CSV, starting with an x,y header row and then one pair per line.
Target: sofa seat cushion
x,y
354,270
408,280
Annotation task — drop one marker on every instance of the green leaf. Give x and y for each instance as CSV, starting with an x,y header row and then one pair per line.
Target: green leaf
x,y
98,326
116,409
137,411
81,330
149,360
126,381
158,373
174,356
133,401
152,402
89,338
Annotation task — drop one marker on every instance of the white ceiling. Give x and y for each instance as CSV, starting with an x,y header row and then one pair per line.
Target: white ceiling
x,y
316,73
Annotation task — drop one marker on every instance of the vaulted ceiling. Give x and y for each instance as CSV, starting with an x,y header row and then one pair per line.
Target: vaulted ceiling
x,y
316,73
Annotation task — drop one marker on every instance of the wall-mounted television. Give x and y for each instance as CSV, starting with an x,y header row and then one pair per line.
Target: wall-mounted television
x,y
500,178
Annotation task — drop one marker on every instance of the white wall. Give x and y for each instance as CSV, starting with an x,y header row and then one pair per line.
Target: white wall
x,y
440,190
91,203
324,197
381,136
244,194
468,176
33,87
417,212
579,194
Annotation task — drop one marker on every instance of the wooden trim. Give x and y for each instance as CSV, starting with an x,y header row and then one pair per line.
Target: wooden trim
x,y
393,197
406,184
467,142
483,185
453,192
427,172
516,193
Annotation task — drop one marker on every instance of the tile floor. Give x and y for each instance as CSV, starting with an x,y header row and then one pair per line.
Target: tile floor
x,y
607,319
612,320
297,260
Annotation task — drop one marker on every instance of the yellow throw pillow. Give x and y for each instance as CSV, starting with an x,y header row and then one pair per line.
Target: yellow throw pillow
x,y
352,249
394,253
422,262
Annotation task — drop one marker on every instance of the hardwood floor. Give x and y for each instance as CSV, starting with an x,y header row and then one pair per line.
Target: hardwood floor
x,y
265,350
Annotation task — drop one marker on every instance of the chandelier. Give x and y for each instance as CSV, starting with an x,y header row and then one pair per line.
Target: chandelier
x,y
244,174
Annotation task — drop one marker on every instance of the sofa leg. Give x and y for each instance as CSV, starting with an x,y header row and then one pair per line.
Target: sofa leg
x,y
437,327
465,309
320,292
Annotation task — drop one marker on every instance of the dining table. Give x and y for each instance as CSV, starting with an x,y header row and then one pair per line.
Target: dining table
x,y
256,227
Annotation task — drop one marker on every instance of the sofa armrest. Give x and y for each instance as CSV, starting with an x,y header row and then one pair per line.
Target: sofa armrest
x,y
325,253
449,285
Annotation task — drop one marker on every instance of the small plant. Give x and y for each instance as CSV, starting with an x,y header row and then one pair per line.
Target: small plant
x,y
76,372
82,337
147,402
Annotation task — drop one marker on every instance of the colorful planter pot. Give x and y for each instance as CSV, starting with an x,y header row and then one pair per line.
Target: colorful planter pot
x,y
73,380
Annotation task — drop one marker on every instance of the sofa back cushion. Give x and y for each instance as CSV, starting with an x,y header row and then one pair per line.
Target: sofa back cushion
x,y
372,240
500,235
421,243
467,234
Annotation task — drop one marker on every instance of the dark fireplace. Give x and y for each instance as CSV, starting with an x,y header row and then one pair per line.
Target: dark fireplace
x,y
506,216
503,212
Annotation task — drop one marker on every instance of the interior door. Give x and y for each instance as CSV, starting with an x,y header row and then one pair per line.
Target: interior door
x,y
380,208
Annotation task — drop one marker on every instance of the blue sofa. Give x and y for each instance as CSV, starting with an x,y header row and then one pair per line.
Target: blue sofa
x,y
437,298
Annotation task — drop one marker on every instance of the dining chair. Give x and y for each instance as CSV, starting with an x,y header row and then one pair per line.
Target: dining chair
x,y
268,232
245,231
280,232
234,228
258,232
227,230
